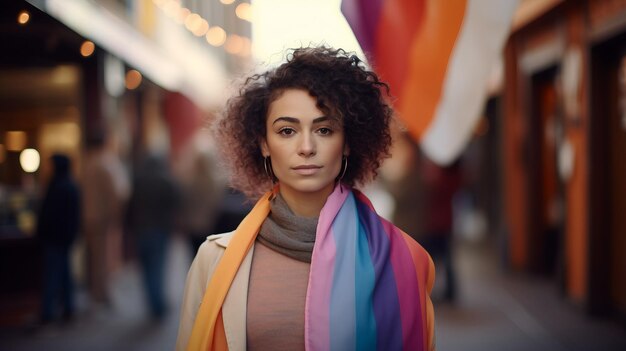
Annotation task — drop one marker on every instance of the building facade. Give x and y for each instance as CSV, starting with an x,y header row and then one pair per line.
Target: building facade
x,y
142,74
564,148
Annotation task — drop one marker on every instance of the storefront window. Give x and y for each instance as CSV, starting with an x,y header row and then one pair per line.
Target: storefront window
x,y
39,117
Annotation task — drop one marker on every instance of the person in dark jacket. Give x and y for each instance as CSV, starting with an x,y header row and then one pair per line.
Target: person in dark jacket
x,y
152,212
57,227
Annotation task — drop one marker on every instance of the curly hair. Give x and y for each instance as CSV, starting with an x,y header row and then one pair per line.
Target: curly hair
x,y
343,89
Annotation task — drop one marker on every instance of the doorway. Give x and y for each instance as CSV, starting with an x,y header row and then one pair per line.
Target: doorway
x,y
607,286
545,205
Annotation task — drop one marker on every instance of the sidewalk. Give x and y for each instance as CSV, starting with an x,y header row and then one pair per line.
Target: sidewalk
x,y
515,312
494,312
125,326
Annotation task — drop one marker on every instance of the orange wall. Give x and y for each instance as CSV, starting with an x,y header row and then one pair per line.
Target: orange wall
x,y
576,189
570,18
576,24
514,171
576,242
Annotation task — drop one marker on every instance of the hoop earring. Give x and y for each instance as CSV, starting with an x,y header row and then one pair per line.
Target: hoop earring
x,y
344,166
268,169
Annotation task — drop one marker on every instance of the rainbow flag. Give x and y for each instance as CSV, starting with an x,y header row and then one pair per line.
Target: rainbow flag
x,y
364,289
437,56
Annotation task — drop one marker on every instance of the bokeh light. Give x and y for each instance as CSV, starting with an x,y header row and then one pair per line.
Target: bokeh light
x,y
29,160
15,140
216,36
234,44
87,48
133,79
244,11
23,17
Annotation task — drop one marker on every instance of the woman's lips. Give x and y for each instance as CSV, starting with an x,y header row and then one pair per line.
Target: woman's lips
x,y
307,169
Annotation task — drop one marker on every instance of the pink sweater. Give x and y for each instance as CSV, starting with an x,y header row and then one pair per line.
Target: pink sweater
x,y
276,298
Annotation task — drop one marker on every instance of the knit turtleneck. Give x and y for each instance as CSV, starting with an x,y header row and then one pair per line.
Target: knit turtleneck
x,y
287,233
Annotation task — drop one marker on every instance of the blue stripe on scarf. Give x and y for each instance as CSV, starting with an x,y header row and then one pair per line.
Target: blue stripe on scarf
x,y
365,280
385,299
342,300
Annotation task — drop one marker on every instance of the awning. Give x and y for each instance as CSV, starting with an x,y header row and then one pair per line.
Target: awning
x,y
177,62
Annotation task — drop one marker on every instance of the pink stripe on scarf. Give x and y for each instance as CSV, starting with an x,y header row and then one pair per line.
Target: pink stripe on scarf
x,y
322,272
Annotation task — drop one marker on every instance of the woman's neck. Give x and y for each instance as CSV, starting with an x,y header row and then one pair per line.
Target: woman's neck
x,y
306,204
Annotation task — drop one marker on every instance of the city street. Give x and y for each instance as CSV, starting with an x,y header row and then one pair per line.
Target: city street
x,y
494,312
493,131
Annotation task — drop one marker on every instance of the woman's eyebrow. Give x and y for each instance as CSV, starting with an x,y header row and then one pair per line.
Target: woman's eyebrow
x,y
286,119
320,119
297,121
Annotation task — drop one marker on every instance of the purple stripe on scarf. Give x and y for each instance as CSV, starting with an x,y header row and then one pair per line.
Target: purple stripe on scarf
x,y
407,286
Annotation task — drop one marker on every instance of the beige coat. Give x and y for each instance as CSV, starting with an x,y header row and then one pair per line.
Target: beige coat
x,y
235,304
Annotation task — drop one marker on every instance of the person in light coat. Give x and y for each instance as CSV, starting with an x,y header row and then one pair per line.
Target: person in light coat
x,y
312,266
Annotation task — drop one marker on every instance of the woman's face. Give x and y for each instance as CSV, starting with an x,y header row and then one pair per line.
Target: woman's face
x,y
306,147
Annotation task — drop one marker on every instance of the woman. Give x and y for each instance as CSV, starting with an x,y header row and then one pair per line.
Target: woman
x,y
312,266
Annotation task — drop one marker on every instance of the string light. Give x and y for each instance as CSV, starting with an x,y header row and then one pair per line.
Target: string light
x,y
29,160
23,17
234,44
87,48
182,15
202,28
199,26
133,79
216,36
171,8
244,11
193,21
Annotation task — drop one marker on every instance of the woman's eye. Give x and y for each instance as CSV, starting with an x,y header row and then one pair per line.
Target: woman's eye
x,y
286,131
325,131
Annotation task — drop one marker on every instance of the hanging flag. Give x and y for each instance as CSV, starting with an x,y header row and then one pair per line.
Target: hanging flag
x,y
437,56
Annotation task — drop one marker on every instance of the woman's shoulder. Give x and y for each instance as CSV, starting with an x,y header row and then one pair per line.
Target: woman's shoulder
x,y
220,239
208,256
213,246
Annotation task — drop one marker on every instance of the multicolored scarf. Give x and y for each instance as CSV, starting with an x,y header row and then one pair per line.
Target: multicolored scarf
x,y
368,288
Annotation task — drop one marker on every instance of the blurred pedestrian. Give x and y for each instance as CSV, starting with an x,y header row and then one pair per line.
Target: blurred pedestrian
x,y
105,191
152,211
232,209
424,193
57,227
440,184
202,193
403,178
312,266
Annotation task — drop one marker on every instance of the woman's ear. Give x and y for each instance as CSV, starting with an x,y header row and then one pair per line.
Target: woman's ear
x,y
346,150
265,150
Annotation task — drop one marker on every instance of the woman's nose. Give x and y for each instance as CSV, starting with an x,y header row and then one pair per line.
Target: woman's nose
x,y
307,145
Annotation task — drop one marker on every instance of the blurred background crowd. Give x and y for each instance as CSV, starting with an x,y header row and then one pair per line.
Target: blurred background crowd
x,y
109,179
